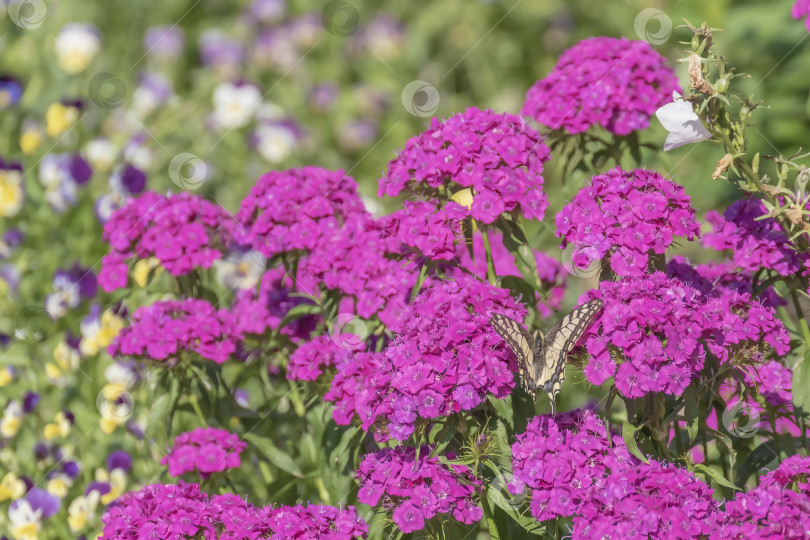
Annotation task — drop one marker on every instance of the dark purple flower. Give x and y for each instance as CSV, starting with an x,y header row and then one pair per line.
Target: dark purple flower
x,y
39,499
10,91
119,460
133,179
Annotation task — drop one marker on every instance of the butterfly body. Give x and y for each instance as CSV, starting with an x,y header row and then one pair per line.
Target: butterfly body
x,y
542,359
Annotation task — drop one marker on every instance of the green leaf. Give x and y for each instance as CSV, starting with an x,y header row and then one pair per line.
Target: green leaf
x,y
801,384
521,289
629,435
526,521
692,418
715,475
274,454
503,410
445,435
766,454
726,440
301,310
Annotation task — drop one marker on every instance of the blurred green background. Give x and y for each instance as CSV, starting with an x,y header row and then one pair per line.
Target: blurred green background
x,y
476,53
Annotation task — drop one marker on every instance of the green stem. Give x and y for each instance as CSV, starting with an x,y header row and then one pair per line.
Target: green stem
x,y
491,276
195,404
493,528
419,282
802,319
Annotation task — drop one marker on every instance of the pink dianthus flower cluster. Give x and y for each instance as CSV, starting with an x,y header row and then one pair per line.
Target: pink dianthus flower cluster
x,y
204,451
626,215
165,329
435,366
498,155
178,512
616,83
417,489
182,231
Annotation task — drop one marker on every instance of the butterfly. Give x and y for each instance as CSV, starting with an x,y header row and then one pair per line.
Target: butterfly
x,y
541,360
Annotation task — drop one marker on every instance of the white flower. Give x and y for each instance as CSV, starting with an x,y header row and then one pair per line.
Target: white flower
x,y
24,520
101,154
234,106
240,270
683,124
76,46
275,142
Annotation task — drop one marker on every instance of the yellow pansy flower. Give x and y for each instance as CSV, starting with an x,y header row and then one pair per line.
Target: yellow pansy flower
x,y
59,484
11,487
140,273
59,428
82,510
59,118
117,479
108,425
12,417
30,141
76,46
11,192
99,333
6,376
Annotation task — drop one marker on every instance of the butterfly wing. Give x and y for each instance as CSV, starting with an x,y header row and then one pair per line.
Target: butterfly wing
x,y
550,363
522,344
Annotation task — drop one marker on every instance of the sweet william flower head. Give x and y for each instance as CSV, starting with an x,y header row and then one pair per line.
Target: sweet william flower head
x,y
660,325
165,329
625,215
445,358
802,9
204,451
182,231
418,488
753,243
155,509
615,83
776,508
498,155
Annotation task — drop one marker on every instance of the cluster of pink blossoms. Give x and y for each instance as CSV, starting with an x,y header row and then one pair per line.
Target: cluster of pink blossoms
x,y
647,500
627,215
417,489
204,451
570,469
435,366
559,458
262,309
802,9
177,512
615,83
753,243
318,216
430,232
308,360
709,277
779,507
498,155
291,210
167,328
660,325
182,231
